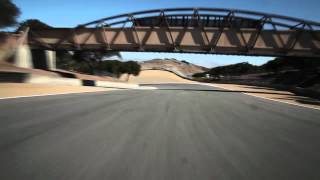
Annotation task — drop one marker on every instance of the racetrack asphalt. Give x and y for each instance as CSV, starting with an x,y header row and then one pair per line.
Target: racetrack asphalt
x,y
180,131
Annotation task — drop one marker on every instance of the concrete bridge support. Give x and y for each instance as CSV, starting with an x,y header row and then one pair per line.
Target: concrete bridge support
x,y
23,57
51,59
39,59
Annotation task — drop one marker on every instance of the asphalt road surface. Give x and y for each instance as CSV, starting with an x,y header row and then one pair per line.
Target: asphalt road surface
x,y
178,133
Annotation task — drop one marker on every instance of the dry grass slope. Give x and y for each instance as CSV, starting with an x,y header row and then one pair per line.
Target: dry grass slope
x,y
156,76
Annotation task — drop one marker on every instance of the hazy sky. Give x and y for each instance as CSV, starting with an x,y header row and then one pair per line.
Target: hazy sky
x,y
69,13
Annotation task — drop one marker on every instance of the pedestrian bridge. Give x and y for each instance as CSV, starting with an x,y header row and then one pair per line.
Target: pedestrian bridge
x,y
188,30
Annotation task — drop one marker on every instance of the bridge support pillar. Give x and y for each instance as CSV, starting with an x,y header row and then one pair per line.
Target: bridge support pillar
x,y
43,59
51,59
23,57
39,59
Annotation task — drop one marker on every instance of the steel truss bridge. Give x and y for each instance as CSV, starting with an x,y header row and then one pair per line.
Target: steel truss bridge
x,y
188,30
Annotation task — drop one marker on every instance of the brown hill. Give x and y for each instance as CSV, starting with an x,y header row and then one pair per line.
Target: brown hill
x,y
156,76
181,68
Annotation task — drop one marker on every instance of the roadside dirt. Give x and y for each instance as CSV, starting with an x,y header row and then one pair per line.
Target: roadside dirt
x,y
156,76
272,94
25,89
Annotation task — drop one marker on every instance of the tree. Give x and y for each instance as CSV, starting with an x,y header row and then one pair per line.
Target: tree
x,y
111,66
90,62
33,24
274,65
130,67
9,13
117,67
87,60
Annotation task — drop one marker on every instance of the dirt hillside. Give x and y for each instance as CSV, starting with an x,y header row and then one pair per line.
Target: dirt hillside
x,y
181,68
156,76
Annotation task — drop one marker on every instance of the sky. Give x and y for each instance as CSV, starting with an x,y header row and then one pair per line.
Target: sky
x,y
70,13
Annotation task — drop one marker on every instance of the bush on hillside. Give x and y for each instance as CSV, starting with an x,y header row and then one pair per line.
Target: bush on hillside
x,y
285,63
231,70
274,66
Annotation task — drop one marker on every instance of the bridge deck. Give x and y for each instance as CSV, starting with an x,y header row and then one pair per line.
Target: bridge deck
x,y
243,41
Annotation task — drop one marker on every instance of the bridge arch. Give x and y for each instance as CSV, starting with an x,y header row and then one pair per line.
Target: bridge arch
x,y
189,30
205,16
